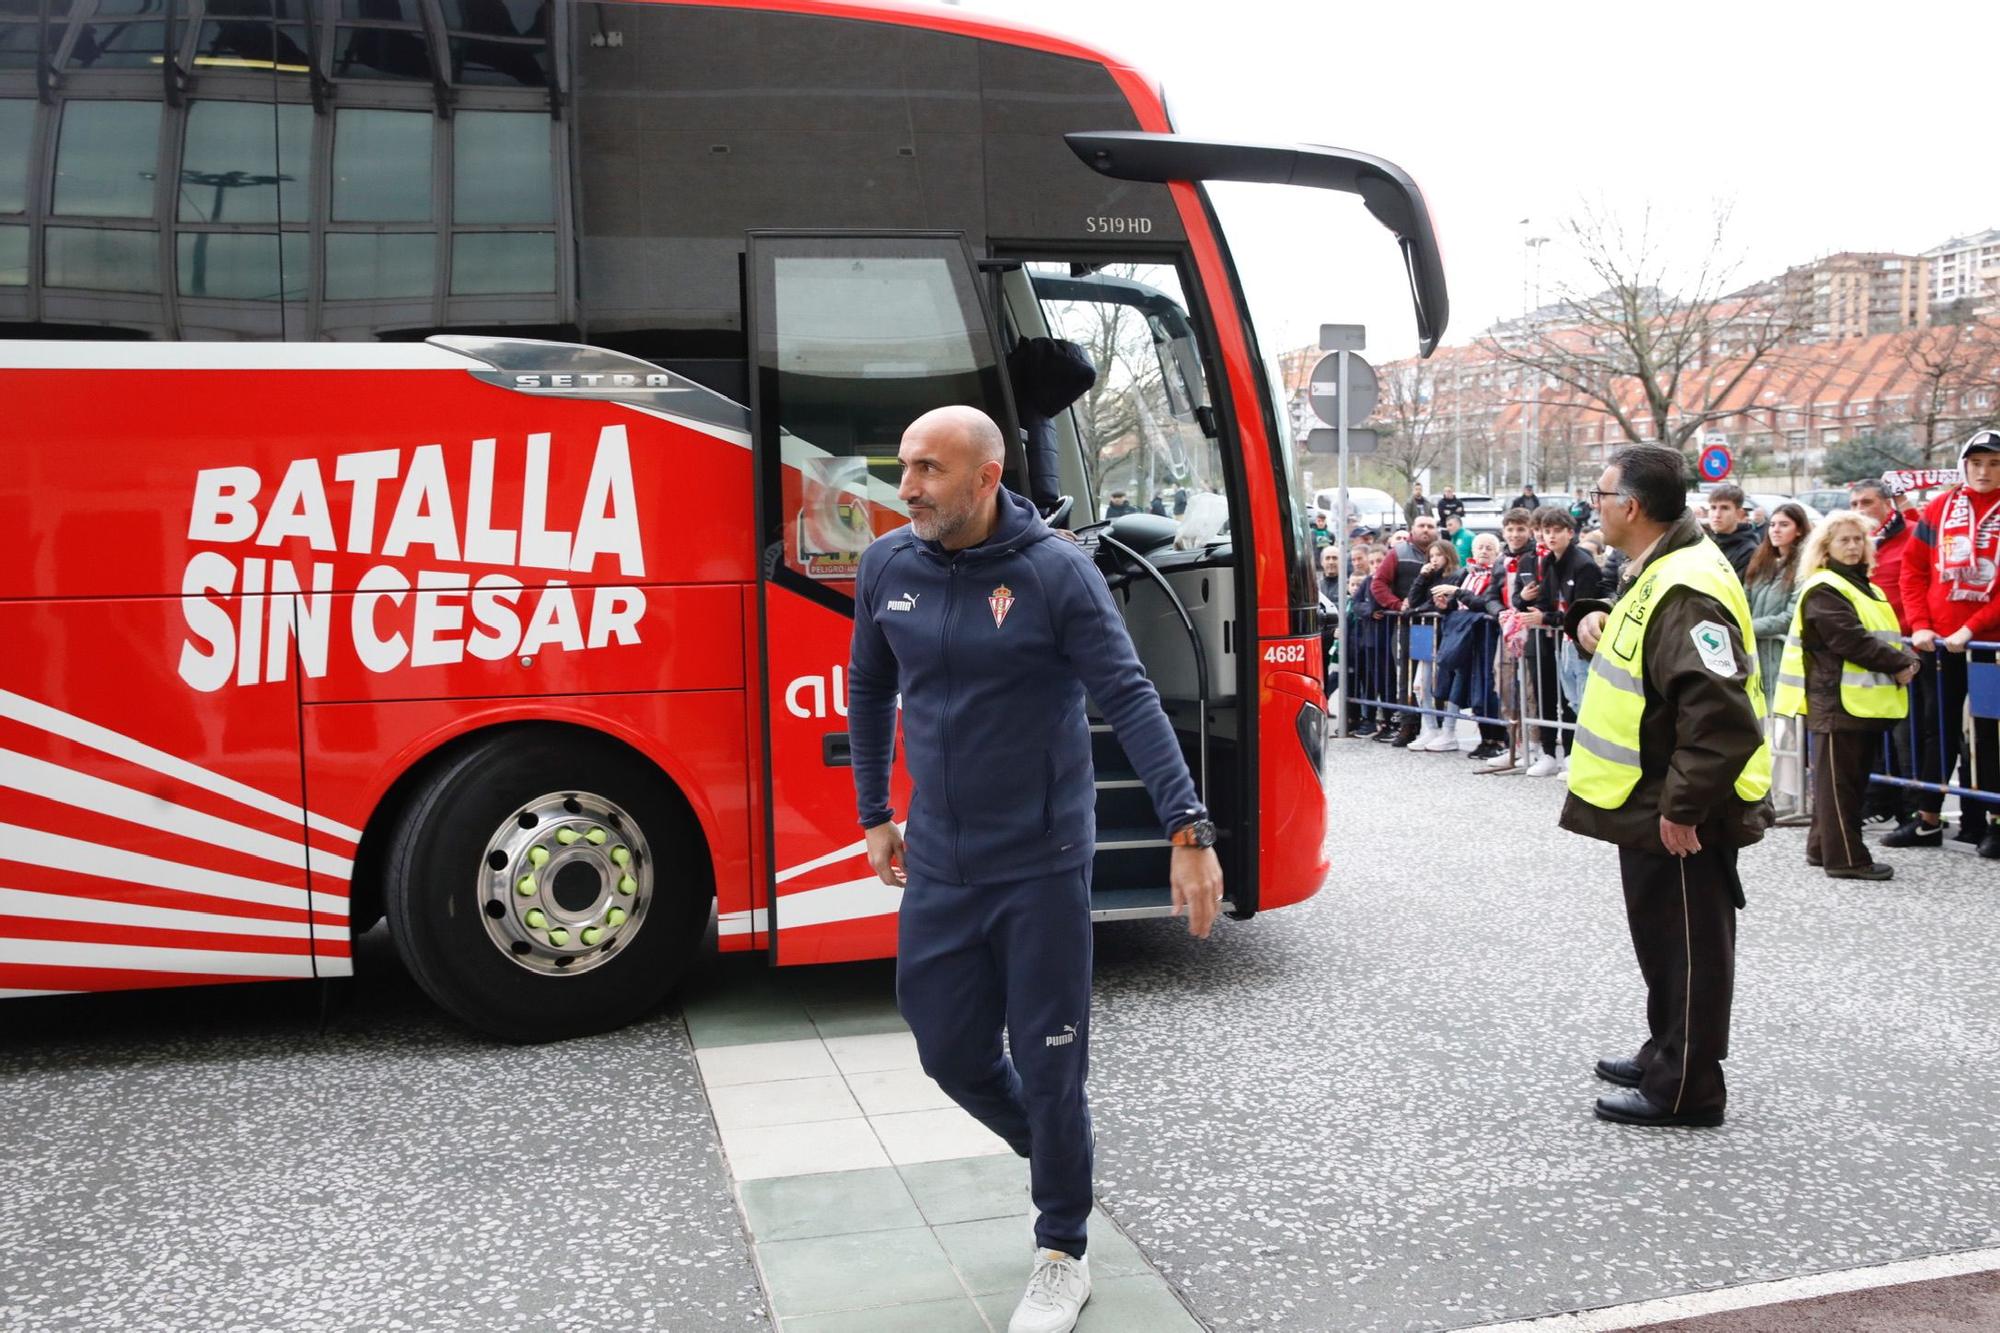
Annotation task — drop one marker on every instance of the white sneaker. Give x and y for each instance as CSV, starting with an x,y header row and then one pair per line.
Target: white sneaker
x,y
1499,763
1056,1293
1446,742
1425,735
1565,765
1545,767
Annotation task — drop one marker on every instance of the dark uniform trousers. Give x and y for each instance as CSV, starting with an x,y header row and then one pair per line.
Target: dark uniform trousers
x,y
974,960
1682,912
1841,764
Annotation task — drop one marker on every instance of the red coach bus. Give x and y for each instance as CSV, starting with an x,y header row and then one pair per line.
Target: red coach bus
x,y
440,436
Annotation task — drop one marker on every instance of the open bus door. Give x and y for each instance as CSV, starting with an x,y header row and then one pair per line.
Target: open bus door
x,y
853,335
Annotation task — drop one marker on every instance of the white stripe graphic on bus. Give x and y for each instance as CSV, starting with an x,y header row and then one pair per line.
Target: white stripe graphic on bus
x,y
40,716
38,777
107,912
144,958
36,848
850,901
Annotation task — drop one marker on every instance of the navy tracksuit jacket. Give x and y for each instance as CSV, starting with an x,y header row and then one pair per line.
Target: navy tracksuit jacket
x,y
993,648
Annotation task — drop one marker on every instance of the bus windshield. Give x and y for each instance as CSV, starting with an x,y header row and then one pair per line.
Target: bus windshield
x,y
1147,427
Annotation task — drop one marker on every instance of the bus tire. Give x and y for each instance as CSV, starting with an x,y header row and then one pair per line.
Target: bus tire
x,y
546,882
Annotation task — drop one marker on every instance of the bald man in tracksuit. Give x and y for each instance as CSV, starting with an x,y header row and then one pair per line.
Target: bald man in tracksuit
x,y
993,627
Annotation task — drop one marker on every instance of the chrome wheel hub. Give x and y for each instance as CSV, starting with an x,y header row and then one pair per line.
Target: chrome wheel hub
x,y
565,883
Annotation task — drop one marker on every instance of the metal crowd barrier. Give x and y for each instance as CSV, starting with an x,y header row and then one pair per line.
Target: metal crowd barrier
x,y
1396,661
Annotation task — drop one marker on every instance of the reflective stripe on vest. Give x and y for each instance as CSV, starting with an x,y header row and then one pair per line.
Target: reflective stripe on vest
x,y
1605,765
1863,693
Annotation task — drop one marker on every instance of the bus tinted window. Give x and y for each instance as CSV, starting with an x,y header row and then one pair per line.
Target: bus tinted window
x,y
17,140
370,265
502,261
230,163
502,168
107,159
101,259
382,166
242,266
13,256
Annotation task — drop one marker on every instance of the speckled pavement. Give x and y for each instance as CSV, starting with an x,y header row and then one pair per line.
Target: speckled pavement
x,y
1372,1111
206,1159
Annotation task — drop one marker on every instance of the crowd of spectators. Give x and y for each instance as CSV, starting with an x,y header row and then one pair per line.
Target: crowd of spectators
x,y
1444,623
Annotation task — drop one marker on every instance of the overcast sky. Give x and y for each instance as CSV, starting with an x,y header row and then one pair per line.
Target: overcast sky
x,y
1820,131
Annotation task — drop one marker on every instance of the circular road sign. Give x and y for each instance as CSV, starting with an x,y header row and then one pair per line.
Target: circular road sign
x,y
1329,401
1716,460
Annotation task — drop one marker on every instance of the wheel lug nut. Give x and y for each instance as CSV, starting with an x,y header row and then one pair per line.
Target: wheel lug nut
x,y
595,837
627,885
538,857
620,856
591,934
535,919
615,917
558,936
565,836
525,886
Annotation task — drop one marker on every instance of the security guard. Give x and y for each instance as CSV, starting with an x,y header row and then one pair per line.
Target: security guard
x,y
1671,765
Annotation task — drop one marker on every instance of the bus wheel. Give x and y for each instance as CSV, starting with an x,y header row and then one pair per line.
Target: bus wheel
x,y
527,892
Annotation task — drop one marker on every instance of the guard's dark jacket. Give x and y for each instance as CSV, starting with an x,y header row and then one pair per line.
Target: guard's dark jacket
x,y
1832,633
1697,731
992,648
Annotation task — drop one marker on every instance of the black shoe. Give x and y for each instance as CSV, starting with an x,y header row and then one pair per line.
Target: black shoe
x,y
1403,739
1915,833
1812,860
1970,829
1383,735
1635,1108
1625,1073
1364,729
1487,750
1874,870
1989,846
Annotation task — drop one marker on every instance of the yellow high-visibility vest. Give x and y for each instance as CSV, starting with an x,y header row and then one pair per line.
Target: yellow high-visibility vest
x,y
1863,693
1604,765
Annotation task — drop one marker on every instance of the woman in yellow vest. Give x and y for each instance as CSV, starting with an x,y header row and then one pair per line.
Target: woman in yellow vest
x,y
1843,670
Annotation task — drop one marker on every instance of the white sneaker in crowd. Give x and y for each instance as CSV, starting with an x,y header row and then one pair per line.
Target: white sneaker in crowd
x,y
1056,1292
1425,735
1545,767
1447,739
1565,765
1499,763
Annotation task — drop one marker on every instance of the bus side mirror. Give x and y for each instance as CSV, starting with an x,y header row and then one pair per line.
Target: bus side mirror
x,y
1385,189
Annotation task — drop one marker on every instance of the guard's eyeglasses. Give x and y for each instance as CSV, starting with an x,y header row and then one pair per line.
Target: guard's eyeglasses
x,y
1598,497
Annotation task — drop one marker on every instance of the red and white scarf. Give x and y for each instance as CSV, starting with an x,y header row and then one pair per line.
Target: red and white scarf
x,y
1968,556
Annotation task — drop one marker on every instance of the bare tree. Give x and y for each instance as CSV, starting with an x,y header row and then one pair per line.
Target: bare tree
x,y
1948,363
1660,349
1413,436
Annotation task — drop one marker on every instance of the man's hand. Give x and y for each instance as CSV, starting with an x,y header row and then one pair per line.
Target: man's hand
x,y
1589,630
1680,839
1197,882
1924,640
1958,638
885,853
1531,617
1907,674
1530,591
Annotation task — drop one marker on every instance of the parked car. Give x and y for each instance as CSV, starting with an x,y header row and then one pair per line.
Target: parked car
x,y
1367,506
1825,501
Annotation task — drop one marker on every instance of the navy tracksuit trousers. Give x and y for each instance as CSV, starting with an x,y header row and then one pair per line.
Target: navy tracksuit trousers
x,y
972,960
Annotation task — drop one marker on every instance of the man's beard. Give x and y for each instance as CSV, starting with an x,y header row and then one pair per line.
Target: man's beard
x,y
934,523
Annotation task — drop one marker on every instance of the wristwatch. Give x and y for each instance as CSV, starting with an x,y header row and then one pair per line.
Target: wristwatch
x,y
1194,833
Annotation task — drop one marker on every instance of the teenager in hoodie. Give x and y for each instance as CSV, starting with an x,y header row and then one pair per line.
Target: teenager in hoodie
x,y
1729,526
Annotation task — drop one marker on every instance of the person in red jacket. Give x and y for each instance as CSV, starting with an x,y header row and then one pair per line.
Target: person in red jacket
x,y
1874,502
1951,596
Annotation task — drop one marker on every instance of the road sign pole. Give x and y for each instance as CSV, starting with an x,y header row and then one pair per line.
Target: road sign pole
x,y
1340,541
